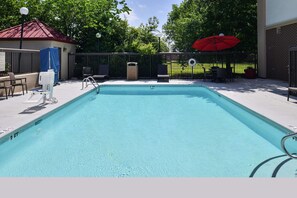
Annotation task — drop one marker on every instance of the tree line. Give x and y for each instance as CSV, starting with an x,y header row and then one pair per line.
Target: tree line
x,y
83,19
192,19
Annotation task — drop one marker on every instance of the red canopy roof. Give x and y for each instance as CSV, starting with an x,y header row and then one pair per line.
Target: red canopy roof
x,y
34,30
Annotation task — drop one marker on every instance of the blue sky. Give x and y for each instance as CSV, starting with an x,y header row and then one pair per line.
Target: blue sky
x,y
142,10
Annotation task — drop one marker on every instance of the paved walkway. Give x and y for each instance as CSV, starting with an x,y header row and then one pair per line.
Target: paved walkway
x,y
15,113
267,97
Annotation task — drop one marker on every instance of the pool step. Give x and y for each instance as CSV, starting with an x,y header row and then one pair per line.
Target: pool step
x,y
279,166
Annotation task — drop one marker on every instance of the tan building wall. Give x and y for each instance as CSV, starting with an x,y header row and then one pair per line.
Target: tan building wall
x,y
39,44
66,48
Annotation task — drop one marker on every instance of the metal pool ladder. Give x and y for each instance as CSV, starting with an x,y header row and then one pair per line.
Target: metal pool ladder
x,y
284,139
91,80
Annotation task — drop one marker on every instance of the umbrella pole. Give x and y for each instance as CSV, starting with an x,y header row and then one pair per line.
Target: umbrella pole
x,y
222,59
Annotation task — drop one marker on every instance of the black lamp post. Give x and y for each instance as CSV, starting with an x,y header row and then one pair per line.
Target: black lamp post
x,y
24,11
159,35
159,49
98,36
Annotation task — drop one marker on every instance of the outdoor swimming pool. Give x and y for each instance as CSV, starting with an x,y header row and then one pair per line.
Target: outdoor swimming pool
x,y
149,131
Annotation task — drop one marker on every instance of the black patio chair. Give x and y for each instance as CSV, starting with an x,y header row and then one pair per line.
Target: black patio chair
x,y
207,74
291,90
86,72
102,72
221,75
163,73
214,73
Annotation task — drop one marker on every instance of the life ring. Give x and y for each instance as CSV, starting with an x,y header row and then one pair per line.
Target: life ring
x,y
192,62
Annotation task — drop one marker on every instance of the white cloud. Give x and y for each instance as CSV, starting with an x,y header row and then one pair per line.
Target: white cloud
x,y
141,6
132,18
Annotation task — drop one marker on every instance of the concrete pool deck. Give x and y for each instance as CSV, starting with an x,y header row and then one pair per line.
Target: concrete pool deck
x,y
267,97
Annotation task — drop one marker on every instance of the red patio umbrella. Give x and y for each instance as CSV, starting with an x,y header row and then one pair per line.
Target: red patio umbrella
x,y
215,43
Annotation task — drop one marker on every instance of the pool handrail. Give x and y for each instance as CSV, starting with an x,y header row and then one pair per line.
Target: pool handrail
x,y
92,81
291,135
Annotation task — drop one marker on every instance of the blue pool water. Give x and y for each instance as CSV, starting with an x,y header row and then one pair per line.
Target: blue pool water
x,y
147,131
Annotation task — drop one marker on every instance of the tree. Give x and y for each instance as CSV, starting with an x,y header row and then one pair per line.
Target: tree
x,y
79,19
195,19
143,39
82,19
9,13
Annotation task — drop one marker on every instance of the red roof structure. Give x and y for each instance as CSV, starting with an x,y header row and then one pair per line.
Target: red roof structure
x,y
34,30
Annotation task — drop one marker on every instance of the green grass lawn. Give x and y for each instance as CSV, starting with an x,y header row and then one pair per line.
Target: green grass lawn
x,y
176,70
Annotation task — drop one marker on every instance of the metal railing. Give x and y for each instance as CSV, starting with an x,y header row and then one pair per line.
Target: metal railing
x,y
91,80
283,141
